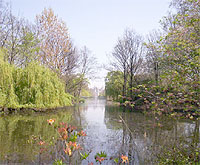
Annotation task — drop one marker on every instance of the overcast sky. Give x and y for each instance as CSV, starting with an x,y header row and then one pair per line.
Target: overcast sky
x,y
98,23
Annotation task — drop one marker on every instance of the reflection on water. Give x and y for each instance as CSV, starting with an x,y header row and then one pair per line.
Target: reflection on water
x,y
17,131
142,138
96,122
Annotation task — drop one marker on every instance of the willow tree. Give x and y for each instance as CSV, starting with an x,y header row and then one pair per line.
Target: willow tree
x,y
38,86
7,88
32,86
56,49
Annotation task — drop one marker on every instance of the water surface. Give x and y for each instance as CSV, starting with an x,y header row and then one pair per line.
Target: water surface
x,y
142,138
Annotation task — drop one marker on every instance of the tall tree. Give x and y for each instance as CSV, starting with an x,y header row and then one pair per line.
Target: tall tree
x,y
57,51
127,58
120,62
182,51
17,38
87,66
153,54
181,44
134,47
85,71
29,47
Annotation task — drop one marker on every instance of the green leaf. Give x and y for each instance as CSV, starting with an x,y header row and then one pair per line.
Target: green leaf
x,y
58,162
73,137
116,160
101,154
84,156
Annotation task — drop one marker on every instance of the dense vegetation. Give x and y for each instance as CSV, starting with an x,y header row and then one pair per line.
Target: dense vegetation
x,y
32,86
39,64
161,72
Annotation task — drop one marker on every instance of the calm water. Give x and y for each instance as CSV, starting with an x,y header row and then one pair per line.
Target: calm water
x,y
142,138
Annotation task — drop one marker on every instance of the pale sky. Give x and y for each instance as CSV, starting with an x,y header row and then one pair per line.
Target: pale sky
x,y
97,24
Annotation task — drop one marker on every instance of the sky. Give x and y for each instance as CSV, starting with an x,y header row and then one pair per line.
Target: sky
x,y
98,24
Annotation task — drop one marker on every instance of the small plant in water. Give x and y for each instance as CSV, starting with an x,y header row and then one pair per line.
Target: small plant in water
x,y
68,138
100,157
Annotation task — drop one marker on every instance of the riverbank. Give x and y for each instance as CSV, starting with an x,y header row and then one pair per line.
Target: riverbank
x,y
149,108
112,103
173,112
5,110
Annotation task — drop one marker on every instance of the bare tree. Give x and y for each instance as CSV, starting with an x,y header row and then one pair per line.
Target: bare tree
x,y
120,62
17,38
87,67
134,47
85,70
87,63
4,19
127,57
10,33
153,54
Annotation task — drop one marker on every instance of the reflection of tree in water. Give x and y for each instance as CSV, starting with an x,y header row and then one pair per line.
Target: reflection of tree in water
x,y
16,134
125,141
150,136
142,138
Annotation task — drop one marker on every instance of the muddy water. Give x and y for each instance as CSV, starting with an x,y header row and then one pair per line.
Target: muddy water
x,y
144,139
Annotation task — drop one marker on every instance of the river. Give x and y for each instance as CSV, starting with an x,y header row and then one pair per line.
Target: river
x,y
143,138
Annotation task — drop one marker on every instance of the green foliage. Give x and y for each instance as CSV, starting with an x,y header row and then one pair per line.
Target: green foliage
x,y
42,87
28,49
85,93
84,156
101,154
75,84
1,56
73,137
33,86
181,57
100,157
7,91
114,84
116,160
178,156
58,162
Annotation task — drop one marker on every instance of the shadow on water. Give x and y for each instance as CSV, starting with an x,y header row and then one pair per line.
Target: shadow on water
x,y
109,128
